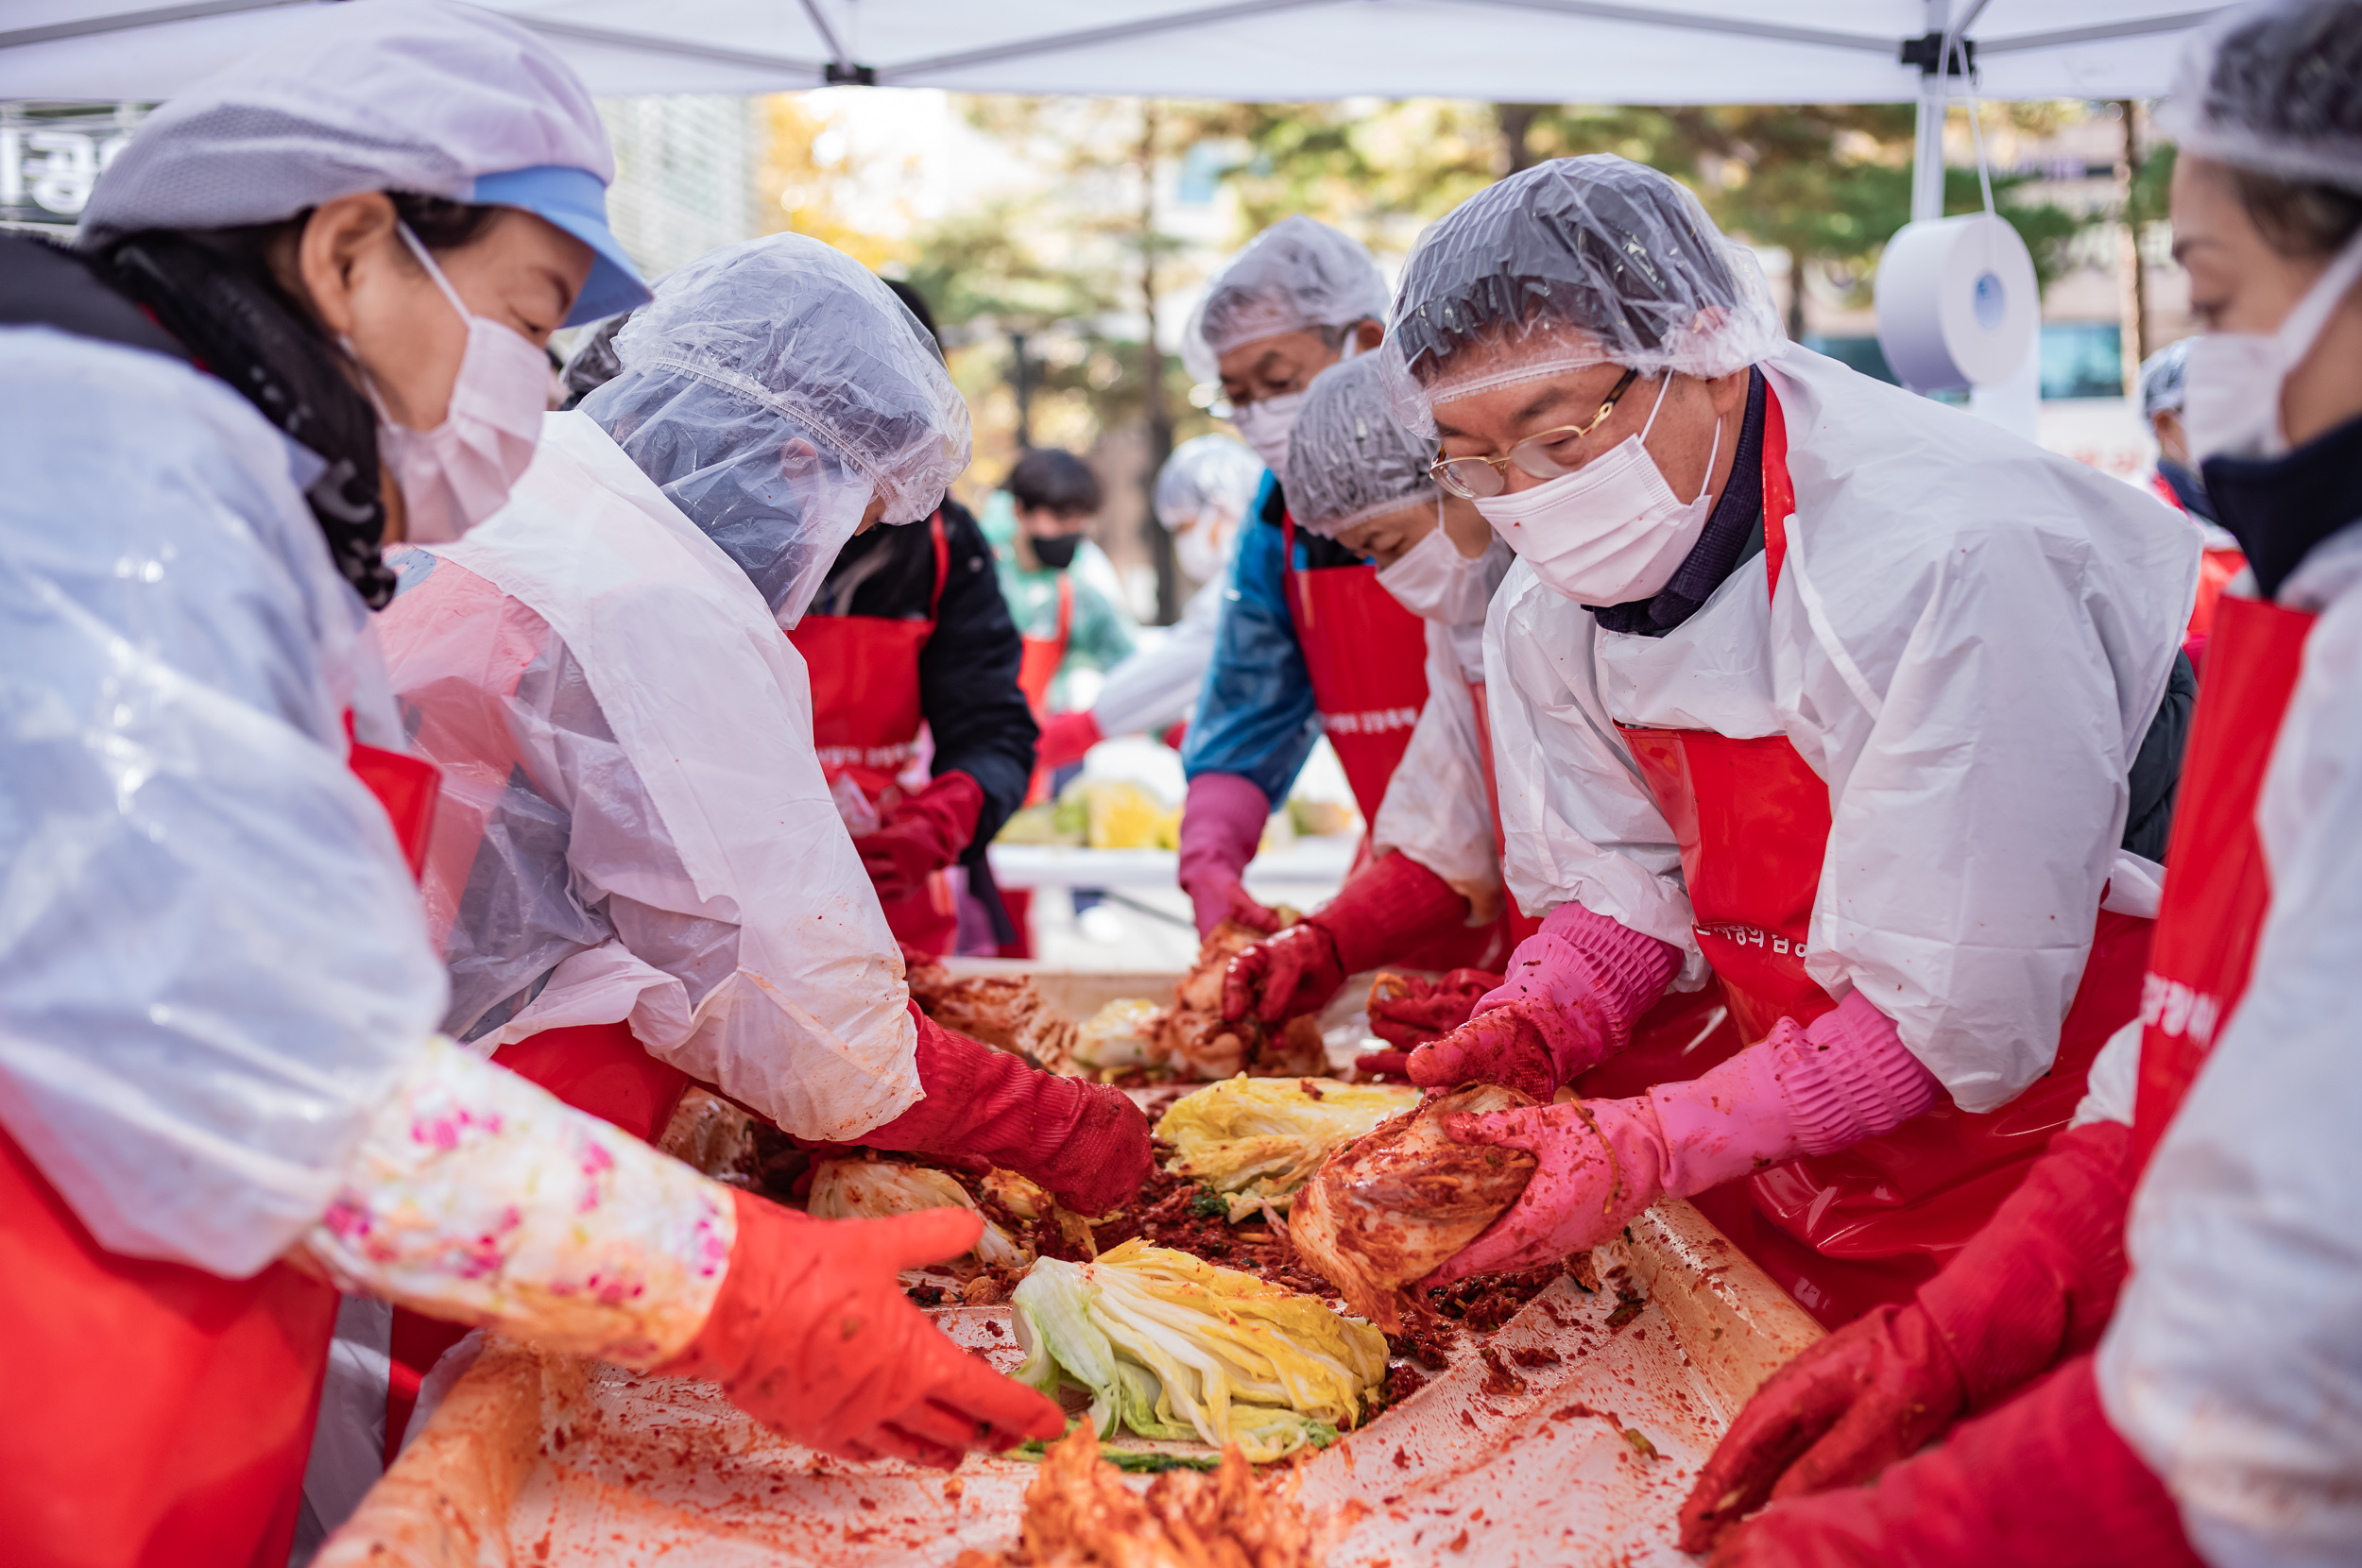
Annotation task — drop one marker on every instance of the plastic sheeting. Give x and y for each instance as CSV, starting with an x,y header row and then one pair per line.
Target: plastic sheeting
x,y
2230,1363
721,908
1575,261
1970,641
211,961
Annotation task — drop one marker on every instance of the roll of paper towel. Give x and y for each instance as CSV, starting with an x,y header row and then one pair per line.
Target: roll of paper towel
x,y
1958,305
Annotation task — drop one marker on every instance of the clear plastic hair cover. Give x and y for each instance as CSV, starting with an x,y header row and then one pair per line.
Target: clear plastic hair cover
x,y
2164,379
1576,262
771,389
2277,89
1207,473
1349,459
1298,273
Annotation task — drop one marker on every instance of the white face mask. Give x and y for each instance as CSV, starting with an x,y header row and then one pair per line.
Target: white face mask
x,y
1435,582
456,475
1611,530
2233,379
1265,426
1203,549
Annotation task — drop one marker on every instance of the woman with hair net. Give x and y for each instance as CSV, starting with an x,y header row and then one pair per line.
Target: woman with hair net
x,y
1203,493
308,313
1802,684
1307,641
1433,881
2218,1419
2163,390
639,872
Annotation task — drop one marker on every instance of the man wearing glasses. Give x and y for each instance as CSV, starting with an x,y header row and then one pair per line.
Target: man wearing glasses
x,y
1848,702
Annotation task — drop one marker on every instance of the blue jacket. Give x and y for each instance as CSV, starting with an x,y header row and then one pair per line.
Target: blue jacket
x,y
1254,714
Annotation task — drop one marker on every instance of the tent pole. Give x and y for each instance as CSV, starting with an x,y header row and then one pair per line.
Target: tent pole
x,y
1927,152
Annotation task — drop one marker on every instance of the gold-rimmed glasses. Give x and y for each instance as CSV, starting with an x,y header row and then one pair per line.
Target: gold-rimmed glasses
x,y
1478,477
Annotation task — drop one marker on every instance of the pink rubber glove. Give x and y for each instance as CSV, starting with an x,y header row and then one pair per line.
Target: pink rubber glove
x,y
1798,1091
1221,822
1595,974
1085,1142
2042,1482
1393,902
1065,738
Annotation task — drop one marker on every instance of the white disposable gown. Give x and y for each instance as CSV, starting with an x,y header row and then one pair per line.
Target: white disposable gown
x,y
1156,687
635,825
1436,808
1970,641
2233,1364
213,966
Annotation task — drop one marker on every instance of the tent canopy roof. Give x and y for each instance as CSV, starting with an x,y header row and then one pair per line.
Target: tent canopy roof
x,y
1540,51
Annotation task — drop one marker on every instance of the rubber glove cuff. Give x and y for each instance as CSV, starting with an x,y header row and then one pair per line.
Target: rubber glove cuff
x,y
1581,957
1222,824
1065,739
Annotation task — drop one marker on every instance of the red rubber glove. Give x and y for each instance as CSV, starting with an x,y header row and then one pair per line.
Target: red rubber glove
x,y
2034,1286
811,1335
1085,1142
1394,901
922,834
1409,1011
2042,1482
1222,824
1064,737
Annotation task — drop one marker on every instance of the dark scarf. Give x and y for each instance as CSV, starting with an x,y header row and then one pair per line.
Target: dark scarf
x,y
246,333
1734,526
2281,507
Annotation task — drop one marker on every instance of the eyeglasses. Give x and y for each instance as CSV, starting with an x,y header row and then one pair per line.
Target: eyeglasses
x,y
1478,477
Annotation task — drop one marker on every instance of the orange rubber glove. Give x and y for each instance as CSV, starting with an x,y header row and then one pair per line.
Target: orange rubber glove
x,y
811,1335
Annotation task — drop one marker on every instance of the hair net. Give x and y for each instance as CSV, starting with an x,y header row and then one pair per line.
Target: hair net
x,y
2275,88
1576,262
2163,379
1207,473
1298,273
772,388
1349,459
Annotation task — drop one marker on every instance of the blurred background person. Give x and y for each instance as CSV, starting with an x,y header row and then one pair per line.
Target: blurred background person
x,y
910,637
2164,391
1203,493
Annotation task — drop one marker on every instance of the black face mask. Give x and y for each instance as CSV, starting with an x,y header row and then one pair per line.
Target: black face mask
x,y
2281,507
1057,552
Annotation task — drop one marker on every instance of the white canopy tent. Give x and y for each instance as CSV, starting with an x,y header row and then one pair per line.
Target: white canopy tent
x,y
1547,51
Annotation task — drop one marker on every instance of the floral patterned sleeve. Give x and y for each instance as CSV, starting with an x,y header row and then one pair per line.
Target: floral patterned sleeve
x,y
478,1196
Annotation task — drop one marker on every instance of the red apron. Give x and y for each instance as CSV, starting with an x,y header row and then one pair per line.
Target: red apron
x,y
1039,662
158,1414
866,721
2220,889
1847,1231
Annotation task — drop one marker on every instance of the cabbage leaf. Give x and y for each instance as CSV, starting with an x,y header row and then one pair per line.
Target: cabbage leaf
x,y
1256,1140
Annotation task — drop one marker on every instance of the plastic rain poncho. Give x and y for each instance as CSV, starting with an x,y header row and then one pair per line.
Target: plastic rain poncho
x,y
1349,462
1296,274
2231,1363
1575,261
1970,641
211,963
635,825
1209,483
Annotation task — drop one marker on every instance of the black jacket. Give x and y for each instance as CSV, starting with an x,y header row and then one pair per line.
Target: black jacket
x,y
968,669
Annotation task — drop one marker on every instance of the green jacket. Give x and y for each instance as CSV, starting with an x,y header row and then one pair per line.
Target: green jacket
x,y
1101,633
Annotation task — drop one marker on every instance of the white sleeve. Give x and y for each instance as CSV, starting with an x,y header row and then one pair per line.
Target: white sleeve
x,y
212,963
2113,1084
1577,821
1982,756
1156,686
2234,1363
1436,810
